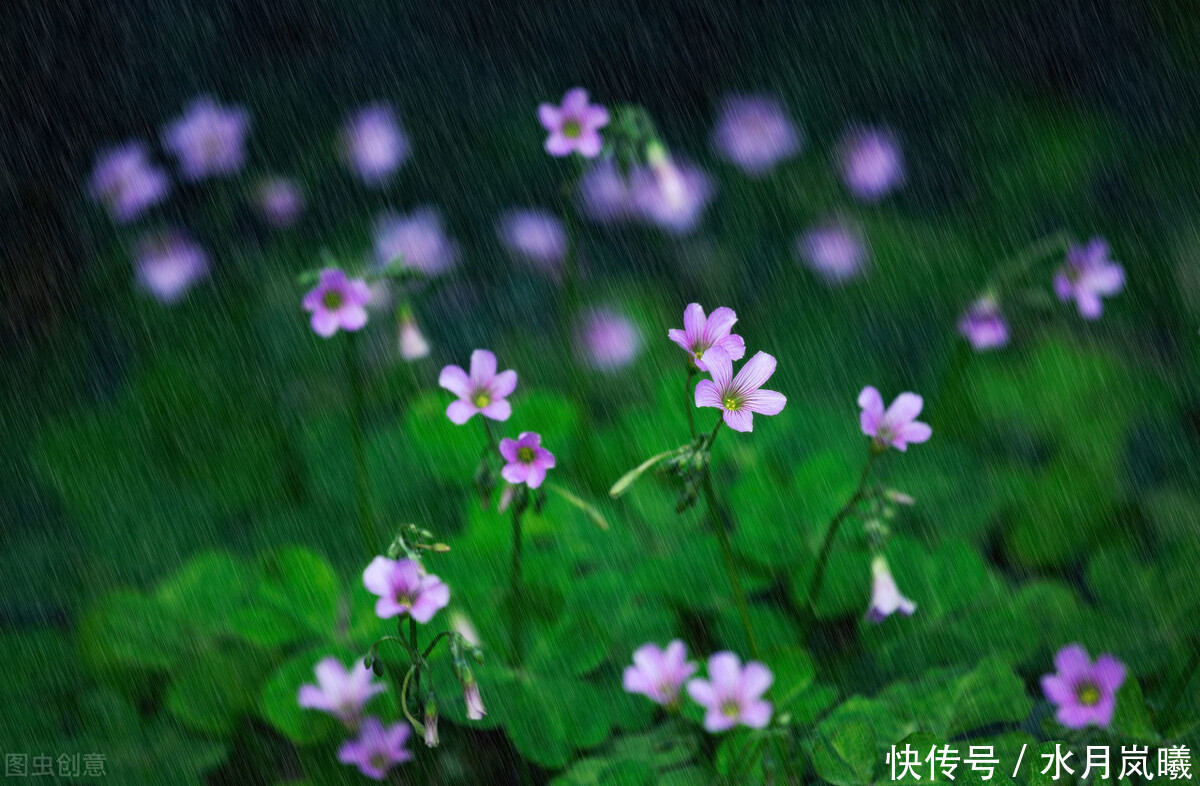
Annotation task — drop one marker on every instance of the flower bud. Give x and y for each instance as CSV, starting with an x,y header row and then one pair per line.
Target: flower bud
x,y
431,722
471,697
413,345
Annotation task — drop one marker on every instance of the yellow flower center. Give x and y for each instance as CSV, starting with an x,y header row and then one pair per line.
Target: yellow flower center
x,y
730,709
571,129
732,403
1088,693
482,399
332,300
525,455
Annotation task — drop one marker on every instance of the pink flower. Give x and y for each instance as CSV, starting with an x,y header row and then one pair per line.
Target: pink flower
x,y
404,588
1085,692
280,200
755,133
871,163
740,397
376,749
710,336
373,144
659,674
835,250
527,461
608,340
983,325
125,182
339,691
337,302
168,264
671,195
419,239
1087,274
898,426
535,235
575,126
605,194
483,391
886,599
732,694
209,139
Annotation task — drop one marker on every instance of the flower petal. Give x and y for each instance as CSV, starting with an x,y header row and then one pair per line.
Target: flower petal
x,y
693,324
377,578
353,318
515,472
757,714
503,384
549,116
454,379
508,449
460,412
755,373
720,321
740,420
916,432
498,410
725,670
904,409
483,367
720,368
324,323
1071,662
707,394
766,402
756,678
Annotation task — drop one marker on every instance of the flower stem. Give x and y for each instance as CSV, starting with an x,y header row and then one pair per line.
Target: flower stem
x,y
515,589
688,403
416,654
719,516
366,518
1020,263
814,586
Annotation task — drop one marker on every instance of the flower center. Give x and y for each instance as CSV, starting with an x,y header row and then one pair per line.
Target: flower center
x,y
525,455
1088,693
482,399
731,402
332,299
571,129
405,599
698,351
730,709
379,761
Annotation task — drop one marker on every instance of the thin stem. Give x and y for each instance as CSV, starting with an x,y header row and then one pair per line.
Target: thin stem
x,y
404,696
432,644
689,401
735,580
366,518
1020,263
415,649
1167,716
515,588
814,586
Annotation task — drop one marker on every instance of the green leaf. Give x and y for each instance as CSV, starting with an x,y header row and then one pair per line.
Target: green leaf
x,y
129,629
202,592
847,756
209,693
299,582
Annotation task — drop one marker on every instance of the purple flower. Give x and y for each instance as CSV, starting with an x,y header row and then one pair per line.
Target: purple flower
x,y
337,302
419,239
886,599
403,587
280,200
1085,692
608,340
340,691
835,250
535,235
659,674
209,139
526,459
125,182
740,397
871,163
605,193
733,694
376,749
710,336
898,426
168,264
471,697
755,133
575,126
671,195
1087,274
983,325
431,724
373,144
482,391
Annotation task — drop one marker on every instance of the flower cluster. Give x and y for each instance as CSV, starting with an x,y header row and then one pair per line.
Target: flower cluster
x,y
732,695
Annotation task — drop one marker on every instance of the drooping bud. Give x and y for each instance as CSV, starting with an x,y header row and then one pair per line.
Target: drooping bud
x,y
431,722
471,698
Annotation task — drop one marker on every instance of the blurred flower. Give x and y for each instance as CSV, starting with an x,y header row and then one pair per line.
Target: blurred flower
x,y
209,139
1084,692
740,397
984,325
709,336
376,749
733,694
125,182
431,723
526,459
413,345
168,264
755,133
337,302
418,239
462,625
898,426
605,194
483,391
471,697
1087,274
373,144
871,163
403,588
671,195
886,599
280,200
659,674
608,340
536,235
340,691
575,126
835,250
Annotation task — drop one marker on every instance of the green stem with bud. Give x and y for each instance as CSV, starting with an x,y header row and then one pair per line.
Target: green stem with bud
x,y
362,491
860,492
